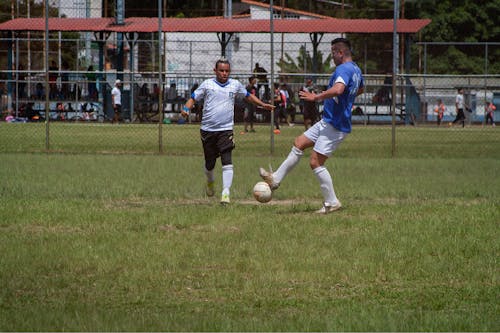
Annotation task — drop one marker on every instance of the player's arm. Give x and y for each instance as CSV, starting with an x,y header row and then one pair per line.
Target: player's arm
x,y
256,101
186,109
336,90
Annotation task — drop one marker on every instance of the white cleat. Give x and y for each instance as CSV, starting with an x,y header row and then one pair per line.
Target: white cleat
x,y
328,208
224,200
267,176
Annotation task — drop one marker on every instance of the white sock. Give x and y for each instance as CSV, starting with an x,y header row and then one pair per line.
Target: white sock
x,y
288,164
210,175
326,185
227,178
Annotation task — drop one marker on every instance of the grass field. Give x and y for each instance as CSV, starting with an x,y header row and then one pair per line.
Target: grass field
x,y
129,242
364,141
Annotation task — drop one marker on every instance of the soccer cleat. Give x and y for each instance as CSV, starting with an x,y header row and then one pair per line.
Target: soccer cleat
x,y
329,208
267,176
210,189
224,200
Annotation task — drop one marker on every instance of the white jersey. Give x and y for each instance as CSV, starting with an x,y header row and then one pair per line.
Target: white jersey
x,y
218,105
117,95
460,101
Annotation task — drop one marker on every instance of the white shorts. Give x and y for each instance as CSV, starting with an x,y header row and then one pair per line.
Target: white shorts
x,y
326,138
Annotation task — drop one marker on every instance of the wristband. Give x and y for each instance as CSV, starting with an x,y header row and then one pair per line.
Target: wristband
x,y
186,109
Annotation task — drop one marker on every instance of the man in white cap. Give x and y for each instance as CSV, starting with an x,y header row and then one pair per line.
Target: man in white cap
x,y
116,99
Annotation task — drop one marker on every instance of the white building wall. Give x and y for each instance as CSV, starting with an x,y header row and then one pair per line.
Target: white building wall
x,y
187,52
78,8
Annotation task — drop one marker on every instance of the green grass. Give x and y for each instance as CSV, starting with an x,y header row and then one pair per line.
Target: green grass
x,y
122,242
364,141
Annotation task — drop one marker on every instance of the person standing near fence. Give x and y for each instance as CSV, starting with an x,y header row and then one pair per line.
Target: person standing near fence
x,y
309,109
262,82
53,74
116,99
91,83
279,104
439,111
219,95
326,135
250,107
490,110
459,107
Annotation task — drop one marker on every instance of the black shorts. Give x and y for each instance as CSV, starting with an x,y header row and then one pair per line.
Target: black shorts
x,y
216,143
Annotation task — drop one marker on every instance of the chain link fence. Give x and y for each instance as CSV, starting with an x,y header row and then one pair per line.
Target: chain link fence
x,y
66,106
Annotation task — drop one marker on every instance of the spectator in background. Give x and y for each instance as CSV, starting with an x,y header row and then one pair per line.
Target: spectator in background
x,y
66,91
21,75
250,108
290,106
155,98
279,104
459,107
116,99
60,111
156,92
285,100
490,111
172,96
309,109
53,91
91,83
439,111
39,91
262,82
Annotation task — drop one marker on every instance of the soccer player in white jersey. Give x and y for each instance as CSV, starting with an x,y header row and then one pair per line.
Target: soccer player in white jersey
x,y
325,136
218,95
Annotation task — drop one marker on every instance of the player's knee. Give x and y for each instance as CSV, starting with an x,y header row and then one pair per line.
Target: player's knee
x,y
316,160
314,163
226,158
302,142
210,164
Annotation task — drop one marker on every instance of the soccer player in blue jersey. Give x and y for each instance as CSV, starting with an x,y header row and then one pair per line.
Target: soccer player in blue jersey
x,y
325,136
218,95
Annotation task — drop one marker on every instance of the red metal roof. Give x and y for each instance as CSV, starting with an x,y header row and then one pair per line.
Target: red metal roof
x,y
57,24
216,24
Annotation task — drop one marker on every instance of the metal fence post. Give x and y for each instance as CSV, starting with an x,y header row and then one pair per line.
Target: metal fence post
x,y
395,61
160,81
47,87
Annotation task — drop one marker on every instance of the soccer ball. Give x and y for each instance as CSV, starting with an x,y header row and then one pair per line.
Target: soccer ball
x,y
262,192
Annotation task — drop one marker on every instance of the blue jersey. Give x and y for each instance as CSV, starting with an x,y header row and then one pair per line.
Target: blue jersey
x,y
337,110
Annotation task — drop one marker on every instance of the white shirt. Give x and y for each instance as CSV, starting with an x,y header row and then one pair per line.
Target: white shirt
x,y
218,105
460,101
117,95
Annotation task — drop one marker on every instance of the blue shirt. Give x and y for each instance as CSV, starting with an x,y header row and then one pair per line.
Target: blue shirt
x,y
337,110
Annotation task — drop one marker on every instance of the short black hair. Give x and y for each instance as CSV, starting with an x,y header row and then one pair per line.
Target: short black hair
x,y
251,78
342,40
222,61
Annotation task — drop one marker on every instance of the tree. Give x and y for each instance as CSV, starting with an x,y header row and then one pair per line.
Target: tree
x,y
304,63
466,21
